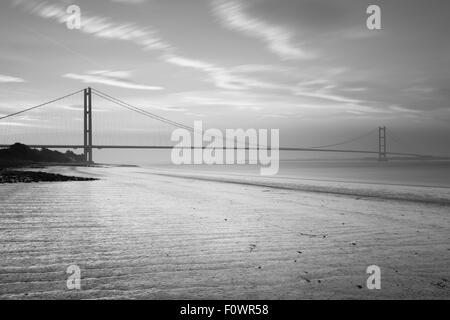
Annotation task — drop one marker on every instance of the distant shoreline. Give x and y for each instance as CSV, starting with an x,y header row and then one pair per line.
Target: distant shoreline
x,y
358,190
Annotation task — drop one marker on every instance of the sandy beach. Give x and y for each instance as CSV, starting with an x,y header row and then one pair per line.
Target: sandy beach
x,y
143,233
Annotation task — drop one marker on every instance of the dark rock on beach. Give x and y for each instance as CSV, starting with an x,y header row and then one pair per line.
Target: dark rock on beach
x,y
10,176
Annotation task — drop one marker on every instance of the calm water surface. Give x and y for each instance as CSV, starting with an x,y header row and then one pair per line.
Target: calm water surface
x,y
414,173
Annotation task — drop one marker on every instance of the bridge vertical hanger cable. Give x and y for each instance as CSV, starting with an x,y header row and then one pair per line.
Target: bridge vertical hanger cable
x,y
346,141
139,110
21,136
179,125
14,136
156,117
409,147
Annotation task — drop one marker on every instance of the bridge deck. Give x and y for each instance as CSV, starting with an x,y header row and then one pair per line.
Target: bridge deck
x,y
39,146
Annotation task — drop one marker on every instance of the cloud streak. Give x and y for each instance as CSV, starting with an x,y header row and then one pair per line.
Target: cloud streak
x,y
235,79
99,26
129,1
224,78
110,78
10,79
232,14
278,39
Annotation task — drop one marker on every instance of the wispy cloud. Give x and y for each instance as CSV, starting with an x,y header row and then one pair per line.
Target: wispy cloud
x,y
355,89
277,38
73,107
79,108
397,108
10,79
420,89
13,124
110,78
99,26
236,79
224,78
189,63
324,95
260,68
129,1
233,14
220,76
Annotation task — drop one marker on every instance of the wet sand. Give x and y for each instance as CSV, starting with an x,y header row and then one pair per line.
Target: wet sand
x,y
137,234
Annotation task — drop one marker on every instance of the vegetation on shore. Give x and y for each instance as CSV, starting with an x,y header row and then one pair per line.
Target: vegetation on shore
x,y
20,156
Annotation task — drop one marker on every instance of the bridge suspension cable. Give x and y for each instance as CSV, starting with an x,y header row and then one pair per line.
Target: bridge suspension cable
x,y
139,110
152,115
41,105
346,141
401,142
146,113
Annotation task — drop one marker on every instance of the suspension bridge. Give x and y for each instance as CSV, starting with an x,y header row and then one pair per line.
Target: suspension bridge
x,y
88,131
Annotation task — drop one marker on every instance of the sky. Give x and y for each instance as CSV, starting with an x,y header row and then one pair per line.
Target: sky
x,y
310,68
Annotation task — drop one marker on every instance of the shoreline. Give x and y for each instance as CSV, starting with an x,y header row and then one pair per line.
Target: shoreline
x,y
435,195
432,195
56,172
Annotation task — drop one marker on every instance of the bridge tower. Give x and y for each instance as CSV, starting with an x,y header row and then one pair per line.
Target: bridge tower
x,y
382,144
88,126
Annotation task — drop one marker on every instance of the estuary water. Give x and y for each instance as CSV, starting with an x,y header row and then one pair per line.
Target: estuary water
x,y
408,173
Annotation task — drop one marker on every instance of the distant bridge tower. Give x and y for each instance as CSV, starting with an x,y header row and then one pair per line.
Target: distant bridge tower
x,y
382,144
88,125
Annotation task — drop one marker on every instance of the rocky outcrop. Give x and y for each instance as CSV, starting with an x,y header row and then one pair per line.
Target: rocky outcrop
x,y
9,176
